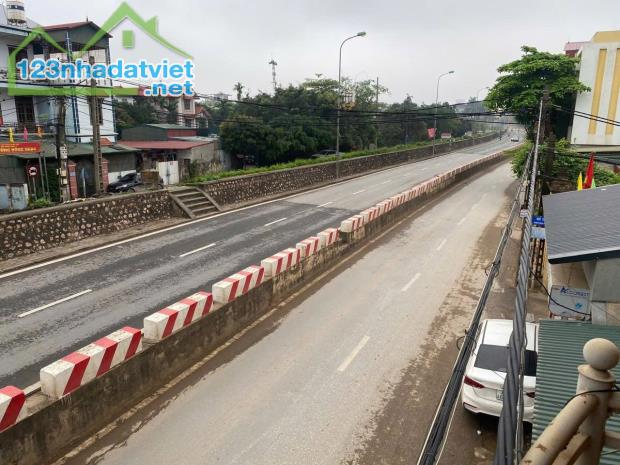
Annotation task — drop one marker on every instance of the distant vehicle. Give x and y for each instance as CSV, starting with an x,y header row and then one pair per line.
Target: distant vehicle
x,y
324,153
126,183
514,139
486,369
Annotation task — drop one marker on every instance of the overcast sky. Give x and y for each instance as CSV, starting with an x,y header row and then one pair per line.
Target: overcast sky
x,y
409,42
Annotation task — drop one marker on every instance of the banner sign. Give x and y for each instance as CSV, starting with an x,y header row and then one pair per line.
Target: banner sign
x,y
566,299
431,133
19,148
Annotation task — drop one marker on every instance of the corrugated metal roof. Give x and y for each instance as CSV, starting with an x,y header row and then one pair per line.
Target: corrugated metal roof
x,y
583,225
560,352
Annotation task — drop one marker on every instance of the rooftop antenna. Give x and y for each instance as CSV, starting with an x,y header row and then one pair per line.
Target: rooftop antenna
x,y
273,74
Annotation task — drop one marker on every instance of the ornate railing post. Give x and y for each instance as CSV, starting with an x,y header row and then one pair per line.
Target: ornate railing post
x,y
601,356
577,434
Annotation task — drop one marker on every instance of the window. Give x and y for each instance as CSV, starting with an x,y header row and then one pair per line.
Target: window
x,y
495,358
189,123
25,111
187,104
21,55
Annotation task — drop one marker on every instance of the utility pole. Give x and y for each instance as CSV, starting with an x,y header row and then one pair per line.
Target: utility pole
x,y
61,150
94,118
273,74
377,110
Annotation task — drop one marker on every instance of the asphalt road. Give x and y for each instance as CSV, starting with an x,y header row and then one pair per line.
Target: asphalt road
x,y
50,311
306,388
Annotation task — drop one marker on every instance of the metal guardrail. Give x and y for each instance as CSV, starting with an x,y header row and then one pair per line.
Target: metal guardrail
x,y
577,434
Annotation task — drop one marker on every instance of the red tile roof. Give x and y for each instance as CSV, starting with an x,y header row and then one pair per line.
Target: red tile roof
x,y
164,144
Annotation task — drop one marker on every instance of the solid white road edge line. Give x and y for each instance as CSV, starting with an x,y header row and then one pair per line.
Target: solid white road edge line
x,y
352,355
440,246
485,151
325,204
200,249
411,283
276,221
43,307
359,192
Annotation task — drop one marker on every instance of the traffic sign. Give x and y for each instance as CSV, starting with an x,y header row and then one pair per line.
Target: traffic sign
x,y
33,171
538,221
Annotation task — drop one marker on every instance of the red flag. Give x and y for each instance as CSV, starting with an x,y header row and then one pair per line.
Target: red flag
x,y
431,133
587,184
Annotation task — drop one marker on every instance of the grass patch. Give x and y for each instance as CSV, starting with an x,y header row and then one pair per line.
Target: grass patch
x,y
306,162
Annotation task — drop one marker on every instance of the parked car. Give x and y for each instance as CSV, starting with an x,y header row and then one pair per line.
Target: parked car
x,y
125,183
482,390
514,139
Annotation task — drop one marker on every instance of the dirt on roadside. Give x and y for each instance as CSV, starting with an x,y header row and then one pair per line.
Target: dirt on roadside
x,y
399,430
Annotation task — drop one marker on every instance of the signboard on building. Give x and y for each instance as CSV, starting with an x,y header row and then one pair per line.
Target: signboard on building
x,y
569,302
19,148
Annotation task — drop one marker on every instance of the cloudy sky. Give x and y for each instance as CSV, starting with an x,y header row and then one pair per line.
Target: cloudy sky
x,y
409,42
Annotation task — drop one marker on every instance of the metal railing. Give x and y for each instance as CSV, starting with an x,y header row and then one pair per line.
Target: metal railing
x,y
577,434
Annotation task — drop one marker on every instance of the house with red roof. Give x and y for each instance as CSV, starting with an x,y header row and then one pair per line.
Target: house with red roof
x,y
160,143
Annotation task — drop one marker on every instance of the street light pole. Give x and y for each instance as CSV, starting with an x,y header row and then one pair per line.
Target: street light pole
x,y
436,103
359,34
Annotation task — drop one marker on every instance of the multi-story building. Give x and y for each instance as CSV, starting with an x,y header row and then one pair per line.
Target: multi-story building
x,y
599,69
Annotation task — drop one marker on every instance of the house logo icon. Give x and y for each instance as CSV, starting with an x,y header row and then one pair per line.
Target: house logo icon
x,y
122,13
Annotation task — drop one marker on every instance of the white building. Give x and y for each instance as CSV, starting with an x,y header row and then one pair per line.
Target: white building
x,y
600,71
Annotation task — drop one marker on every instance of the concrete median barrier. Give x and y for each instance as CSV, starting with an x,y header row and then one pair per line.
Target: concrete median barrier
x,y
238,284
328,237
309,246
12,409
78,368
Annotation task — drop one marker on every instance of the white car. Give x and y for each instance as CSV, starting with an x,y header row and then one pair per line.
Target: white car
x,y
514,139
486,369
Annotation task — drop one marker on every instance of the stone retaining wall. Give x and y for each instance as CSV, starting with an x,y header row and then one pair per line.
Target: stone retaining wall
x,y
36,230
243,190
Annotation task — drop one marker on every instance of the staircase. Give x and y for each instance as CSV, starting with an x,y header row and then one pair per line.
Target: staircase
x,y
194,202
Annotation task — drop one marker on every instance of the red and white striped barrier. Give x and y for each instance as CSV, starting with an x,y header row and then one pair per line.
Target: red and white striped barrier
x,y
238,284
78,368
12,409
169,320
352,224
328,237
309,246
370,214
281,261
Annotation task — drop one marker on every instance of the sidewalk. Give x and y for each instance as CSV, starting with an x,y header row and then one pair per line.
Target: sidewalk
x,y
472,438
12,264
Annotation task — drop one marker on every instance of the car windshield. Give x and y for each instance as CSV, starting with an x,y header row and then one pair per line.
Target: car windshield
x,y
127,177
495,358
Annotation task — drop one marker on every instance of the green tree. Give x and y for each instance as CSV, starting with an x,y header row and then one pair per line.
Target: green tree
x,y
522,82
141,111
239,89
